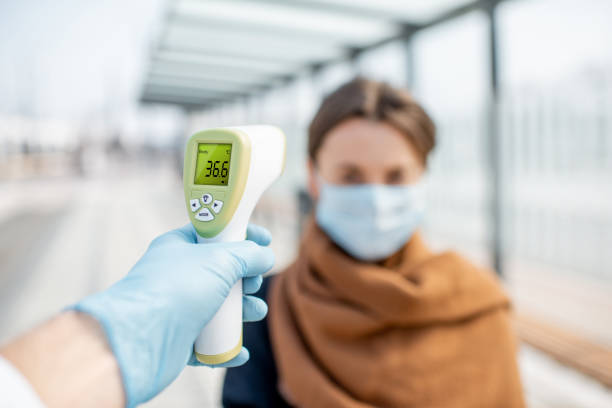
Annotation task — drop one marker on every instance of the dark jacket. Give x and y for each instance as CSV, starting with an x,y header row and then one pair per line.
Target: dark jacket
x,y
254,385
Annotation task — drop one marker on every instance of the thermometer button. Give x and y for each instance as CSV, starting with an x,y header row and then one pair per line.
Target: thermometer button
x,y
194,204
207,198
217,205
204,215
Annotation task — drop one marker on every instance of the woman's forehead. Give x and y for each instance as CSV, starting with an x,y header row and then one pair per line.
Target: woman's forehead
x,y
365,142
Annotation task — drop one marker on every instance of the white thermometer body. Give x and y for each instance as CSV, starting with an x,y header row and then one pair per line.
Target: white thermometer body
x,y
225,172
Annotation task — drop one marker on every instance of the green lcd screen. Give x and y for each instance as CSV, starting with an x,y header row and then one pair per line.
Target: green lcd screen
x,y
213,164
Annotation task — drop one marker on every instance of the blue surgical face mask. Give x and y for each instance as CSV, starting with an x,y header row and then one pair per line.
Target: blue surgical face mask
x,y
370,221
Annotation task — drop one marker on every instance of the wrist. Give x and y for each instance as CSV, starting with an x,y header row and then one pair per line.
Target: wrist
x,y
132,325
66,359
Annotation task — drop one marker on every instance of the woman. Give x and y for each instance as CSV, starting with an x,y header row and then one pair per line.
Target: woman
x,y
367,315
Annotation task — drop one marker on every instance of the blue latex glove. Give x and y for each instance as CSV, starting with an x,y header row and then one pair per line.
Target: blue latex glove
x,y
153,315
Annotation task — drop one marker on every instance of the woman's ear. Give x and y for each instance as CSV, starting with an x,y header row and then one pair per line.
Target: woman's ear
x,y
313,184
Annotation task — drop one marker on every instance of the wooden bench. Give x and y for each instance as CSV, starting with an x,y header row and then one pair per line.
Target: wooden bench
x,y
568,348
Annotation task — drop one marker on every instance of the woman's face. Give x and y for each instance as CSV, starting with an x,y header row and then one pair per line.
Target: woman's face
x,y
363,151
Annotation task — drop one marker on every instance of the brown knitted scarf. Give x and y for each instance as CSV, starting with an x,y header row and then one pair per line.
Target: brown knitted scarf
x,y
419,330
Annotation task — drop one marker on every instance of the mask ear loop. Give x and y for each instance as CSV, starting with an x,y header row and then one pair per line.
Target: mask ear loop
x,y
420,192
320,180
320,183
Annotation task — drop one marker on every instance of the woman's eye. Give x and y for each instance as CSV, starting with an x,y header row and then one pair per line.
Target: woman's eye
x,y
402,176
396,177
351,178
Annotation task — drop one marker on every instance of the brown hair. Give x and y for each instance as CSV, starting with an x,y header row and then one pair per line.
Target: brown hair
x,y
374,100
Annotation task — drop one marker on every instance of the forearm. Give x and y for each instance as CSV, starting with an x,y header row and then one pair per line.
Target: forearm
x,y
68,362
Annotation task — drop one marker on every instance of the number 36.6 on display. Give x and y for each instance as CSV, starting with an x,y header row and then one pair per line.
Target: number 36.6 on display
x,y
215,169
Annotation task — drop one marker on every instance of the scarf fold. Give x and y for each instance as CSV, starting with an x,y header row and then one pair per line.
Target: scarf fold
x,y
418,330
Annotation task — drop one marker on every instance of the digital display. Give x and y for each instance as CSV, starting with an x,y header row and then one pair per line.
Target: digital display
x,y
212,164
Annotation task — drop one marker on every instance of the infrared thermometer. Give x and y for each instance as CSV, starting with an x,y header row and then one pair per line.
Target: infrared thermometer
x,y
225,172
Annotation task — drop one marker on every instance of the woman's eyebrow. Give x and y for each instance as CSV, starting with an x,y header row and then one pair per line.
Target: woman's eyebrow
x,y
348,166
394,167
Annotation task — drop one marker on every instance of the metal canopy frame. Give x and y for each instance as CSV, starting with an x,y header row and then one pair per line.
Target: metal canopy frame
x,y
287,67
201,80
387,16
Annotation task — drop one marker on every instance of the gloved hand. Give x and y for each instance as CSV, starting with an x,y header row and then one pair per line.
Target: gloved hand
x,y
153,315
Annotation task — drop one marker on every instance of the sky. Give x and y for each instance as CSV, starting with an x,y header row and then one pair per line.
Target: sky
x,y
71,57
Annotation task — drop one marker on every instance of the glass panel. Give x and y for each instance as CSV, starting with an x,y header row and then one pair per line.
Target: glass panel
x,y
333,76
287,20
418,11
557,128
450,80
201,85
198,61
247,45
387,63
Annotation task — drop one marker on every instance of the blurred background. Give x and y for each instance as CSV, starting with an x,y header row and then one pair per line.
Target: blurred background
x,y
98,98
